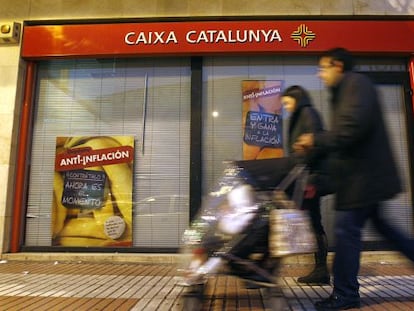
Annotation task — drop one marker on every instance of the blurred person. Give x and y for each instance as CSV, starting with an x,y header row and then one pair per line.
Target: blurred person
x,y
363,167
304,118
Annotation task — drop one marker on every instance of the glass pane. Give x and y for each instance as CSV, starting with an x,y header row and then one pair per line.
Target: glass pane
x,y
222,133
148,99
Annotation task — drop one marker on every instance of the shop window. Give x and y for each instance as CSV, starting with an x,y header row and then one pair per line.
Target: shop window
x,y
148,99
222,132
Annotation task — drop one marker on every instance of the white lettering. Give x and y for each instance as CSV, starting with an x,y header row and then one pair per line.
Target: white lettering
x,y
204,36
141,38
85,159
275,36
265,92
229,36
171,38
189,35
76,201
151,37
221,36
159,37
128,38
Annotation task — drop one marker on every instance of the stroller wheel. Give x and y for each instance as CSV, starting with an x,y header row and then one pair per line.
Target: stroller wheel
x,y
193,298
274,299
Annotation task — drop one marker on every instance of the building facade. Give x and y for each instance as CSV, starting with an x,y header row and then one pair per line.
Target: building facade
x,y
150,98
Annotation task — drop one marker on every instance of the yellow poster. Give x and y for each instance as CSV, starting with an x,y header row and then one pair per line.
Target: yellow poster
x,y
92,191
262,119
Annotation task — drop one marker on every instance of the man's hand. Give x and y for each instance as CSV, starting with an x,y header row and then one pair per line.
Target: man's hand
x,y
304,143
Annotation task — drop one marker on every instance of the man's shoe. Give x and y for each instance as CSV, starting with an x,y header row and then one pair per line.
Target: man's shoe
x,y
335,302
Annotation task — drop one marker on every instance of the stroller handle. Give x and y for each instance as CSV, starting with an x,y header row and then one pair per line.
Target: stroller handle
x,y
299,176
277,175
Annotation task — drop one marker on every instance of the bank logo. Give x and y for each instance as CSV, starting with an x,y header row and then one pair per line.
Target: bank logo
x,y
303,35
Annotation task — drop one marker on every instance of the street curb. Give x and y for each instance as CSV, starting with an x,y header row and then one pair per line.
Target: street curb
x,y
384,257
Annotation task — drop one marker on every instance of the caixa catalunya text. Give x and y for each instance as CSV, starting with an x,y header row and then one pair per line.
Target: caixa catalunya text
x,y
204,36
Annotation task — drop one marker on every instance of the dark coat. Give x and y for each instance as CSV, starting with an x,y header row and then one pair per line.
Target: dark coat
x,y
305,119
361,160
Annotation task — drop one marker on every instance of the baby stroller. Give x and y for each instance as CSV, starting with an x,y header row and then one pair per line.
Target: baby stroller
x,y
232,231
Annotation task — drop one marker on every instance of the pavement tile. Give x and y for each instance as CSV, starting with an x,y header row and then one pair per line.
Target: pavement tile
x,y
70,286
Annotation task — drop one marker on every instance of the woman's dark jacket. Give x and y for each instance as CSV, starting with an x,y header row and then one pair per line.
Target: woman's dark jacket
x,y
305,119
361,160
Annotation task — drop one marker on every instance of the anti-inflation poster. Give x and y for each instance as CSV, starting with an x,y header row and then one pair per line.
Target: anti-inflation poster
x,y
262,119
92,191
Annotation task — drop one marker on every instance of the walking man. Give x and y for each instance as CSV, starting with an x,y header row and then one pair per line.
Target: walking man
x,y
362,166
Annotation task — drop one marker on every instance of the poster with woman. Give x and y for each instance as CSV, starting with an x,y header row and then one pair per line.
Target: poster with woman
x,y
92,191
262,119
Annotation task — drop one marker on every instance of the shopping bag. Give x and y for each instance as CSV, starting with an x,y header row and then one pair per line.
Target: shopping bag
x,y
290,232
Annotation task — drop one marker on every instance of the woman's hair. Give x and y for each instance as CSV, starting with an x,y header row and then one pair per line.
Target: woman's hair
x,y
300,95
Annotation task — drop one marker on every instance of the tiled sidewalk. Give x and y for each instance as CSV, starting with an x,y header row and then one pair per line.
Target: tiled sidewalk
x,y
125,286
